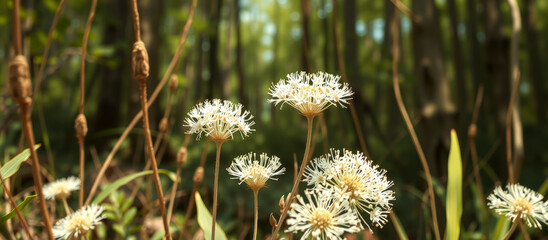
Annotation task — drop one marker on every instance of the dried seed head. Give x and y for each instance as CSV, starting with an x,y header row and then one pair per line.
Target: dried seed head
x,y
19,80
273,222
472,130
198,175
173,82
181,155
81,126
162,127
139,61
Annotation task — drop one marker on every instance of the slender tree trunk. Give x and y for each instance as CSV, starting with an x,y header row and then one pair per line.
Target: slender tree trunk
x,y
394,116
437,108
305,19
215,85
458,63
227,65
327,35
536,68
239,65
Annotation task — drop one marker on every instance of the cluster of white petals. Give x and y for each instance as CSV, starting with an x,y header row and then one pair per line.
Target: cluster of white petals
x,y
255,172
348,173
61,188
79,222
519,202
324,215
310,93
218,120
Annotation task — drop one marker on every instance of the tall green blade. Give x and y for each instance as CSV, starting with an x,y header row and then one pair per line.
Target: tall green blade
x,y
12,166
205,219
453,201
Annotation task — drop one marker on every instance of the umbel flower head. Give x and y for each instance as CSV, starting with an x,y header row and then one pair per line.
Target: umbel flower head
x,y
79,222
324,215
310,93
219,120
61,188
255,172
366,185
519,202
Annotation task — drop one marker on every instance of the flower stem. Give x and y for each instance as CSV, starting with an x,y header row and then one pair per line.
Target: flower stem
x,y
65,204
255,200
509,233
215,188
306,159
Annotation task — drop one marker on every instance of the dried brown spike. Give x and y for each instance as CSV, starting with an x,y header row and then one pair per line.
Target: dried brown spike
x,y
273,222
182,155
173,81
19,80
139,61
282,203
81,126
162,127
198,175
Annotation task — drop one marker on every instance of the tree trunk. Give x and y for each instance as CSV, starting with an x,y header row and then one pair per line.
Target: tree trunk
x,y
437,108
215,85
239,65
305,17
458,65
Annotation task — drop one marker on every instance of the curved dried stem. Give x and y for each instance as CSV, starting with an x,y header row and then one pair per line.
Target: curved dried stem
x,y
509,163
14,205
153,97
16,27
512,229
409,124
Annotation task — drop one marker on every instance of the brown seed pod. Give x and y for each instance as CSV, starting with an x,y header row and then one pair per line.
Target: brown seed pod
x,y
282,203
472,130
81,126
162,127
173,81
182,155
139,61
273,222
19,80
198,175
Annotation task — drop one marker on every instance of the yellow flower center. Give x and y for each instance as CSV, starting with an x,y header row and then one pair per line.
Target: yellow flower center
x,y
353,185
522,207
321,219
80,224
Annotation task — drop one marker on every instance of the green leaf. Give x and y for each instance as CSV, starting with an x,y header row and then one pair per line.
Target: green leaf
x,y
129,215
501,228
12,166
171,175
205,219
402,235
453,201
121,182
20,206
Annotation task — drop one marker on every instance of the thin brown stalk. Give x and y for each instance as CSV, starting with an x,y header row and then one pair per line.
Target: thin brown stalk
x,y
404,9
16,27
509,163
340,60
256,211
409,124
68,211
14,205
296,182
81,135
173,192
324,134
524,231
137,117
393,218
514,225
215,188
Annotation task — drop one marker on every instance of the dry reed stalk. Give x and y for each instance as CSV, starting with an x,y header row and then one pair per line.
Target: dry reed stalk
x,y
14,205
137,117
509,163
409,124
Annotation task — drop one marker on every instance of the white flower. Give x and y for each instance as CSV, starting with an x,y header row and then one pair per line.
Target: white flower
x,y
366,184
323,216
79,222
311,93
255,173
219,120
61,188
519,202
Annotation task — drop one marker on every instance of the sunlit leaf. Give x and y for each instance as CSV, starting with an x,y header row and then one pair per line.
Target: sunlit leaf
x,y
20,206
453,201
12,166
205,219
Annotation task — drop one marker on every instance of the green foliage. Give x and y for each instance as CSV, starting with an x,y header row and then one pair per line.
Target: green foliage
x,y
12,166
122,213
453,203
205,219
20,206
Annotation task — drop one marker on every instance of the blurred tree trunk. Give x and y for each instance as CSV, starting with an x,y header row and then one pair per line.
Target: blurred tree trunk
x,y
215,85
393,113
458,66
305,17
437,108
239,65
198,90
113,80
227,65
535,61
497,77
475,55
327,36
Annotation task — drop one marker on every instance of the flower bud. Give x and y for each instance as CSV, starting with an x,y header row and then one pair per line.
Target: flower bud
x,y
162,127
19,80
173,82
182,155
273,222
198,175
472,130
139,61
81,126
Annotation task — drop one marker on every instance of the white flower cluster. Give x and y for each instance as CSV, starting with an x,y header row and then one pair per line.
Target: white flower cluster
x,y
61,188
324,215
255,172
219,120
520,202
311,93
79,222
366,185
